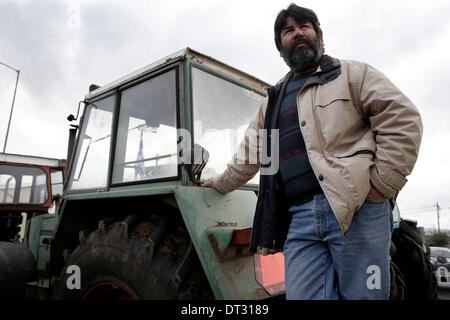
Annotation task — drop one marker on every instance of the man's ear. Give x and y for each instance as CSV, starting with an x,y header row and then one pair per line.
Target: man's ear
x,y
281,53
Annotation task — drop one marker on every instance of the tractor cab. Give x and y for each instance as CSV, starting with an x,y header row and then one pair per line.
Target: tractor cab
x,y
145,143
28,186
141,128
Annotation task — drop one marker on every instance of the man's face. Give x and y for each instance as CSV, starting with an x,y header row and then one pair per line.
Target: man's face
x,y
301,48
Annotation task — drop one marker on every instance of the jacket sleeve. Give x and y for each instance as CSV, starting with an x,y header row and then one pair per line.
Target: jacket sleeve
x,y
397,126
245,163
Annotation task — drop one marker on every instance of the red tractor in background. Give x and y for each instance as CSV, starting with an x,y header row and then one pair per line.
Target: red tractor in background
x,y
29,186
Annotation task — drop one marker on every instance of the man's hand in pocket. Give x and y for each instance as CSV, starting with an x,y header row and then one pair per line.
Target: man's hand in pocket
x,y
374,195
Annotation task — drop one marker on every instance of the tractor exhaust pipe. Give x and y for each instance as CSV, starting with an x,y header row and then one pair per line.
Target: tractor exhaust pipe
x,y
71,143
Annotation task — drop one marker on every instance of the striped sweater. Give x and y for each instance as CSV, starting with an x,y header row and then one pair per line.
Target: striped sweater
x,y
299,181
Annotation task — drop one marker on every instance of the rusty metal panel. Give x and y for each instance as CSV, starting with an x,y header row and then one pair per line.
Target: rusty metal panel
x,y
210,218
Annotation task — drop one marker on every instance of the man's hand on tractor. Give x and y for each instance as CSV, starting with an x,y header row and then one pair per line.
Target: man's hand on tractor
x,y
209,183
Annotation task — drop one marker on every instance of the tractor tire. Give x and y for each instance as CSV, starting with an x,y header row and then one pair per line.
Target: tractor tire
x,y
415,267
149,258
398,286
17,267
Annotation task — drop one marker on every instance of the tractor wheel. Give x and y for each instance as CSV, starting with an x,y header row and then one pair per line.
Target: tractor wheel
x,y
398,286
135,259
17,267
416,268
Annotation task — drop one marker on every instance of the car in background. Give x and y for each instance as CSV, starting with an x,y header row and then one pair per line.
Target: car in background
x,y
440,259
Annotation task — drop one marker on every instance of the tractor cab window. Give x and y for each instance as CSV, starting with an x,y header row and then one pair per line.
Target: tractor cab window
x,y
90,165
23,185
222,112
146,145
33,188
7,188
56,177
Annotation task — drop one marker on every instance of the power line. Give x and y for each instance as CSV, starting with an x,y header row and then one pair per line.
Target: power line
x,y
420,208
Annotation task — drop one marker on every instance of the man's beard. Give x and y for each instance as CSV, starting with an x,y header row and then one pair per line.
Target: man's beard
x,y
303,58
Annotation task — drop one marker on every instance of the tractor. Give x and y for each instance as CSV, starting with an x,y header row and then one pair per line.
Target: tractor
x,y
29,189
133,221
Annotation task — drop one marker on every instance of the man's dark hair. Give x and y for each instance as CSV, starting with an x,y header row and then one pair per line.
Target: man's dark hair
x,y
299,14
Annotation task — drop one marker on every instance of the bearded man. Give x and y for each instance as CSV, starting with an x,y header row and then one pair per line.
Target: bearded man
x,y
347,140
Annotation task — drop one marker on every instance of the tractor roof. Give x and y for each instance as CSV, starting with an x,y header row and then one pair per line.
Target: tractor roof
x,y
31,160
186,53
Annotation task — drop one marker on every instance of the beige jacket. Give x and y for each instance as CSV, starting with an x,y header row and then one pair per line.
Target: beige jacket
x,y
359,110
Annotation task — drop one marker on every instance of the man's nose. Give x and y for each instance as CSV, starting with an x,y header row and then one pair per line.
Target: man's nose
x,y
298,32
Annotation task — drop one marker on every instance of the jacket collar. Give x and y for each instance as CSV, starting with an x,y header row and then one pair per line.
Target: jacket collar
x,y
326,64
328,69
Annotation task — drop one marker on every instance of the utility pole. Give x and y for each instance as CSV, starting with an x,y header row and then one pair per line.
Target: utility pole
x,y
12,105
438,209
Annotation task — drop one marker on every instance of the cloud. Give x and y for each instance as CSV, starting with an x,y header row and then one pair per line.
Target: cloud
x,y
32,34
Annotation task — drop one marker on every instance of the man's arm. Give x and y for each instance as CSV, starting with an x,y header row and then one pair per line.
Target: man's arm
x,y
398,129
239,169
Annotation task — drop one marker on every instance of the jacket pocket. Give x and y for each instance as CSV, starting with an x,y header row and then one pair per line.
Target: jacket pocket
x,y
366,152
354,172
339,124
339,101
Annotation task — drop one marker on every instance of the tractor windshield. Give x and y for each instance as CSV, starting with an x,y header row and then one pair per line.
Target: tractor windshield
x,y
222,112
146,142
89,168
146,146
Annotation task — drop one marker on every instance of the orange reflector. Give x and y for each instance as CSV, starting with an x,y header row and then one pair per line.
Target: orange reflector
x,y
269,271
241,237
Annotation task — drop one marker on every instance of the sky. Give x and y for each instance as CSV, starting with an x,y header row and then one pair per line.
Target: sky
x,y
61,47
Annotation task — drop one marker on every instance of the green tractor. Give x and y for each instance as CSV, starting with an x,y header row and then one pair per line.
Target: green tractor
x,y
134,221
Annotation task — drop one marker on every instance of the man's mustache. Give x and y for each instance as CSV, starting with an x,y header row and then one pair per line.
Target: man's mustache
x,y
299,40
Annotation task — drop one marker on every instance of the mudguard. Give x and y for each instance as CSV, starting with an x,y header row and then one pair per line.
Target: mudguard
x,y
220,227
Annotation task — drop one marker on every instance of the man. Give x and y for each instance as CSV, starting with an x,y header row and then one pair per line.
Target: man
x,y
347,140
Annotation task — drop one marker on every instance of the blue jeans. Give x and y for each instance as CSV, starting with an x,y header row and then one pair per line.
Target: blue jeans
x,y
321,264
